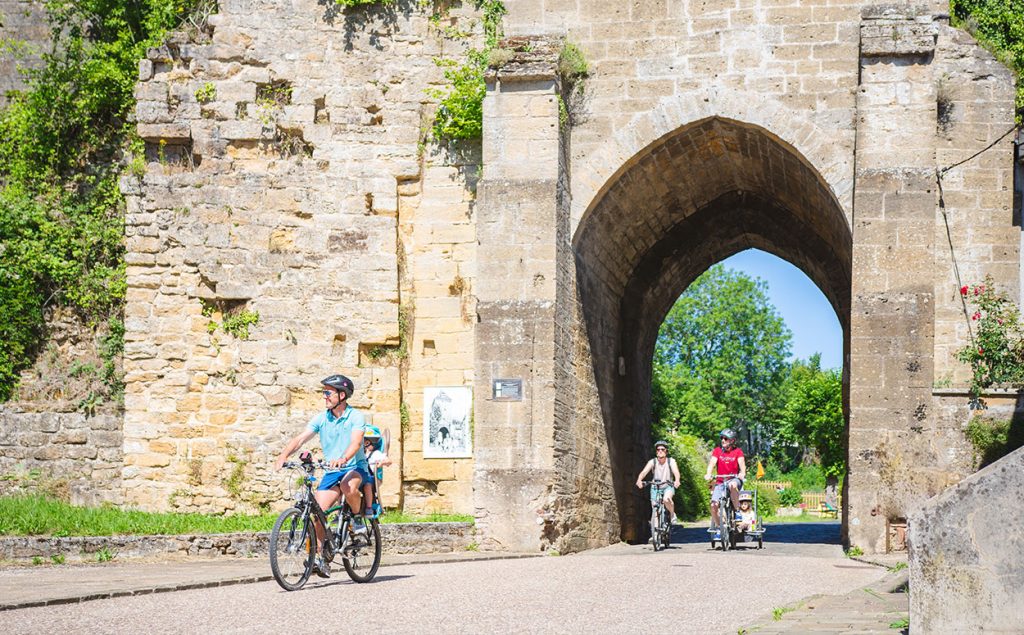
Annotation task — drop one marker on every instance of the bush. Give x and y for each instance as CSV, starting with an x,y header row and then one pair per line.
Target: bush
x,y
790,497
692,499
767,500
994,439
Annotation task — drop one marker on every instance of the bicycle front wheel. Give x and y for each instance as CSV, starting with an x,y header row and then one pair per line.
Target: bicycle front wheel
x,y
361,556
292,549
725,526
655,530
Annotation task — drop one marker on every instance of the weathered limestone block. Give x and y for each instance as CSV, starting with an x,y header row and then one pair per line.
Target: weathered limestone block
x,y
963,570
164,132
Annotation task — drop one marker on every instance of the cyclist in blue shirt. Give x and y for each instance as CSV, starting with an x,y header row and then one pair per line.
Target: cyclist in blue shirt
x,y
341,428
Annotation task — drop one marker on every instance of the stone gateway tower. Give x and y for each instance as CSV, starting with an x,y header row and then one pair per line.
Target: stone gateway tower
x,y
291,175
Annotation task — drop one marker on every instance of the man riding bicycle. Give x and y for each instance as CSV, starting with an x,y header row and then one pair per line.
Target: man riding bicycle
x,y
341,428
731,468
665,469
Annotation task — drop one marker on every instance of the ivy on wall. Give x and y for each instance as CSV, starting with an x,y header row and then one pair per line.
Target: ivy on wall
x,y
63,146
460,113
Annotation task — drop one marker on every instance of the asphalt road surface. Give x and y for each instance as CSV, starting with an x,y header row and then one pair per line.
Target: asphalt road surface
x,y
623,588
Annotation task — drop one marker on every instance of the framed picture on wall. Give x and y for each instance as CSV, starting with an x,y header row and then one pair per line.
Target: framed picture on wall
x,y
447,411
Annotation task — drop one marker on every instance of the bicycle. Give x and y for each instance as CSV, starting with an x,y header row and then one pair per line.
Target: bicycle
x,y
661,523
293,542
726,517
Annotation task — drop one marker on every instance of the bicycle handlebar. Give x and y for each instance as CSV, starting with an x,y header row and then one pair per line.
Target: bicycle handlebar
x,y
320,465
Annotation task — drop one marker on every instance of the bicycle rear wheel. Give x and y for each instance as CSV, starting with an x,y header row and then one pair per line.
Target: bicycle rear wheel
x,y
362,555
292,549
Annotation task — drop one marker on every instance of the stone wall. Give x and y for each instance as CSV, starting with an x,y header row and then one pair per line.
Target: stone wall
x,y
395,539
966,573
287,175
71,453
277,157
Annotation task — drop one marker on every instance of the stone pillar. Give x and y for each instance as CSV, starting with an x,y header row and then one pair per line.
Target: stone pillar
x,y
517,217
892,321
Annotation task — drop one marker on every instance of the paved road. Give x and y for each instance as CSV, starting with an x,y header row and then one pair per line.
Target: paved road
x,y
608,590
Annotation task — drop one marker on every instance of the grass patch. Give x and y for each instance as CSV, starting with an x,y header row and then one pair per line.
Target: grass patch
x,y
396,517
899,566
779,611
854,551
901,624
36,515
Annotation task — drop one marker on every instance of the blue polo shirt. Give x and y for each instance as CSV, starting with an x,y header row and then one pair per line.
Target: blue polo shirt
x,y
336,435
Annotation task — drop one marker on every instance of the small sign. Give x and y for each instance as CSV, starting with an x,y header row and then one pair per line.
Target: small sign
x,y
508,390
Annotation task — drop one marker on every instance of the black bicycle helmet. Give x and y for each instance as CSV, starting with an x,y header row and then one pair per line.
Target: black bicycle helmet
x,y
660,444
340,383
728,433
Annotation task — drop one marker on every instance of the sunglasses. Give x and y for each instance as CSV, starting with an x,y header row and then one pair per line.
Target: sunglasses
x,y
328,393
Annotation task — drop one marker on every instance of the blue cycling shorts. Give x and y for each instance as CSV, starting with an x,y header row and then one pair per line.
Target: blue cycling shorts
x,y
664,489
332,479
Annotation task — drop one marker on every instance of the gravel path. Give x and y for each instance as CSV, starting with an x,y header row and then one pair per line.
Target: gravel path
x,y
620,588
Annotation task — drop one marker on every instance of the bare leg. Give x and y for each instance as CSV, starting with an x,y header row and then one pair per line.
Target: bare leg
x,y
325,499
734,494
714,513
350,488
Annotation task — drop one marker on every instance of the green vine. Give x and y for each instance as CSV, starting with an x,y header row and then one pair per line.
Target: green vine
x,y
63,142
460,113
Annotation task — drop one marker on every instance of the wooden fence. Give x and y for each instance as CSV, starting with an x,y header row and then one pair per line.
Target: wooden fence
x,y
814,501
776,485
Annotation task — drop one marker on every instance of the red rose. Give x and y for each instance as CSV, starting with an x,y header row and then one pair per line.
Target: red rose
x,y
977,314
963,290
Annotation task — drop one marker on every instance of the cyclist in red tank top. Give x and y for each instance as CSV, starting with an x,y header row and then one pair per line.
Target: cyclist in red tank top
x,y
731,468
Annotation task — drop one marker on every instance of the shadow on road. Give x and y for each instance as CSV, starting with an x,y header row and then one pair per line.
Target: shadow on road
x,y
821,533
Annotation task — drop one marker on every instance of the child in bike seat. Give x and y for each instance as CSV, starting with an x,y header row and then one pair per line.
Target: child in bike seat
x,y
746,519
375,448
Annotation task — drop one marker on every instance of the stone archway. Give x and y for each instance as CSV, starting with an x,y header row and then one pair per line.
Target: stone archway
x,y
697,195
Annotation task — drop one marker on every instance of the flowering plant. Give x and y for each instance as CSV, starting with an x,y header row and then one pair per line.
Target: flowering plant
x,y
996,355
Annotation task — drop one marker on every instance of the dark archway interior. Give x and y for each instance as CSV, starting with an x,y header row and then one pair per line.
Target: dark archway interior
x,y
689,200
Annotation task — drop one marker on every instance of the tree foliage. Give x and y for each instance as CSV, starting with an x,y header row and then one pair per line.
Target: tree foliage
x,y
62,142
720,357
813,414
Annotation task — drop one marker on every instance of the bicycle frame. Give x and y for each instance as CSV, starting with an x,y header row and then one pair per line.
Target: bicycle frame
x,y
335,538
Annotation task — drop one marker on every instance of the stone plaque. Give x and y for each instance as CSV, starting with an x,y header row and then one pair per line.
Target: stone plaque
x,y
507,390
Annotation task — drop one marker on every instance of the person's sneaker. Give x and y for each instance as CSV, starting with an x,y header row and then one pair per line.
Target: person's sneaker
x,y
718,535
358,527
321,568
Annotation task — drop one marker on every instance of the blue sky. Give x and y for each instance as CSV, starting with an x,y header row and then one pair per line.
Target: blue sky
x,y
800,303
